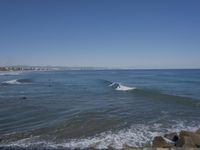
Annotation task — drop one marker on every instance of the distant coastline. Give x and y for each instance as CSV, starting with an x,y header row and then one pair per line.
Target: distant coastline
x,y
13,68
59,68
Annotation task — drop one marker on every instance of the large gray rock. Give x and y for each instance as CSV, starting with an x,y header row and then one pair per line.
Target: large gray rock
x,y
127,147
160,142
172,136
198,131
195,137
131,148
185,142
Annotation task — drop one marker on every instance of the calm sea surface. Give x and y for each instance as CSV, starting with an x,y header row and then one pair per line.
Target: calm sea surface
x,y
96,109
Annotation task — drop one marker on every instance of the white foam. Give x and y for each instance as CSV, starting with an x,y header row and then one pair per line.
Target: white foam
x,y
120,87
112,84
11,82
124,88
136,136
10,73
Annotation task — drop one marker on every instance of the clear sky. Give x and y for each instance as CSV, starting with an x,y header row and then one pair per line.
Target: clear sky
x,y
106,33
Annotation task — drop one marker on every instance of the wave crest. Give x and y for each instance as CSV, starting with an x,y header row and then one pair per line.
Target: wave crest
x,y
17,81
11,82
120,87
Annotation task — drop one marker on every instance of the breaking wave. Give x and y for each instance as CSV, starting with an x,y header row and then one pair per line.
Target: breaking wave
x,y
10,73
154,94
120,87
16,81
11,82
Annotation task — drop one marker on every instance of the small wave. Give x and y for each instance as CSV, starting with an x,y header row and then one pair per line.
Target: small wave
x,y
11,82
10,73
124,88
17,81
154,94
120,87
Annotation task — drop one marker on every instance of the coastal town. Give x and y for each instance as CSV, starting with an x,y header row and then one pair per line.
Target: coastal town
x,y
27,68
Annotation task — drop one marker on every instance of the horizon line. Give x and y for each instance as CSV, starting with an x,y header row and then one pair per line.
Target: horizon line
x,y
100,67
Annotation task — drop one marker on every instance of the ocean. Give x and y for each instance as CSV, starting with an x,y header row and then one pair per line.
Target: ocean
x,y
96,108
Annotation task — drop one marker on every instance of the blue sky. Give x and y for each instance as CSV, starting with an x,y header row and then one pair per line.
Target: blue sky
x,y
101,33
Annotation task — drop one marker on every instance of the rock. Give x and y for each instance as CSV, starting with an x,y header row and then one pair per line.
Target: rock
x,y
24,97
172,136
159,149
198,131
160,142
185,133
127,147
175,139
186,142
195,137
130,148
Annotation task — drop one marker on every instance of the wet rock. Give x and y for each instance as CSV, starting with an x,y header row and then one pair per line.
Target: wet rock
x,y
24,97
175,139
160,142
195,137
172,136
185,142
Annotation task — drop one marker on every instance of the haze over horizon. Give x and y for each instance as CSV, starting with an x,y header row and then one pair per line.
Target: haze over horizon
x,y
114,33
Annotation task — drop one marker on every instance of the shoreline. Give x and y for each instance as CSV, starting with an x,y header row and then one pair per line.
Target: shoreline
x,y
183,140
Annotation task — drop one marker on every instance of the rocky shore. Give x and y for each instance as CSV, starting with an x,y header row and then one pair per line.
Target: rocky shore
x,y
181,140
184,140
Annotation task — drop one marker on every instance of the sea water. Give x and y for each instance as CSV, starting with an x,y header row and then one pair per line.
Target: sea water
x,y
96,108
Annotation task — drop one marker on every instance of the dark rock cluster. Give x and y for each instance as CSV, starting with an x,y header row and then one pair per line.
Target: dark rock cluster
x,y
184,139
